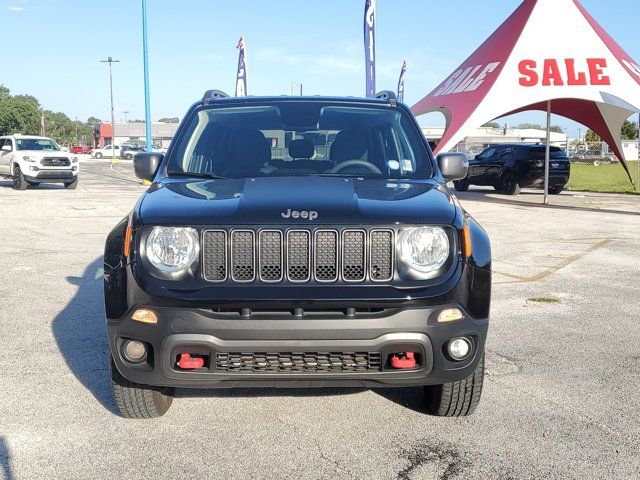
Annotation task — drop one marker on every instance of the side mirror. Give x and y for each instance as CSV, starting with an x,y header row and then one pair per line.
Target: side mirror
x,y
146,165
453,166
6,148
64,149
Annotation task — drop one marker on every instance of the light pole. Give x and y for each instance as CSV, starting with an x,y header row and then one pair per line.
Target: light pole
x,y
125,115
147,100
110,61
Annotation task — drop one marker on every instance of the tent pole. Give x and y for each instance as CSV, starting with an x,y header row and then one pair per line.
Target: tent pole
x,y
547,155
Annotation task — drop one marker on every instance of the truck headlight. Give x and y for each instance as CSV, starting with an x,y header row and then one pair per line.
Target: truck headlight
x,y
74,159
28,158
171,249
424,249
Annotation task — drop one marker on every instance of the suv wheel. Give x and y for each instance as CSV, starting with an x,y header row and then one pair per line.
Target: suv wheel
x,y
72,184
510,184
19,182
457,399
555,190
98,155
461,185
139,401
128,156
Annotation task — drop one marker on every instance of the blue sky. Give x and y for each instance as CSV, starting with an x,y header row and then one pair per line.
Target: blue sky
x,y
53,48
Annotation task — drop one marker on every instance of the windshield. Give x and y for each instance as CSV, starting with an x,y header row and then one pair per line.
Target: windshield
x,y
43,144
301,138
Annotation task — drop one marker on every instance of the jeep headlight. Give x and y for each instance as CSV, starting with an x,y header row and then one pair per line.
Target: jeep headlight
x,y
172,249
424,249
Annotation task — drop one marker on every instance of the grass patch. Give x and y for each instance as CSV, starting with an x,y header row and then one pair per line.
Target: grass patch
x,y
544,300
605,178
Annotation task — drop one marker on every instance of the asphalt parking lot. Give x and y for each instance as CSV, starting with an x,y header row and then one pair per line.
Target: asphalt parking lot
x,y
560,400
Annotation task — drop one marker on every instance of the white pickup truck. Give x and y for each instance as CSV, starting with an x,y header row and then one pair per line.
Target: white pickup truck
x,y
32,160
107,152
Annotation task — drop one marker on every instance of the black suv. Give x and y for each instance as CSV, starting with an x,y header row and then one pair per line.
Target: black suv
x,y
508,167
297,242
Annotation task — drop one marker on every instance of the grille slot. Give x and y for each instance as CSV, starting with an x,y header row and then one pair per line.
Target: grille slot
x,y
297,362
243,255
326,255
381,255
215,255
270,255
353,256
298,255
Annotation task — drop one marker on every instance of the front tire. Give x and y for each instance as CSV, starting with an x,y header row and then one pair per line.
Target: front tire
x,y
461,185
556,189
71,185
510,184
139,401
456,399
19,182
98,155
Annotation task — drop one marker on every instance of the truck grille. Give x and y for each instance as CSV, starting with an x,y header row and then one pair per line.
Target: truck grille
x,y
55,162
297,362
298,255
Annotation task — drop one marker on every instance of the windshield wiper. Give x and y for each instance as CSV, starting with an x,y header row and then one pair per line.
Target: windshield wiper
x,y
195,175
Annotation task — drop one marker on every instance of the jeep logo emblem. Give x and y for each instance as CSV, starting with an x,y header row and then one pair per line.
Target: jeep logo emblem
x,y
307,214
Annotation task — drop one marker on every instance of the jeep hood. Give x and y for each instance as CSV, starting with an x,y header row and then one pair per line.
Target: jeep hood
x,y
263,201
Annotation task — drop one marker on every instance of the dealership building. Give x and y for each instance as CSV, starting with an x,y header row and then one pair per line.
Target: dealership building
x,y
134,133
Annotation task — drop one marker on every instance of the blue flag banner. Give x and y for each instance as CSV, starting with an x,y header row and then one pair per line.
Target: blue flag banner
x,y
241,78
401,81
370,45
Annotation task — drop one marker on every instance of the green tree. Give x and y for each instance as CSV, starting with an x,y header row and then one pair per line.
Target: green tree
x,y
556,129
486,125
531,125
18,116
629,130
592,137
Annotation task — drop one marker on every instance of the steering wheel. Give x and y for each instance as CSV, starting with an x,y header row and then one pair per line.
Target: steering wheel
x,y
355,163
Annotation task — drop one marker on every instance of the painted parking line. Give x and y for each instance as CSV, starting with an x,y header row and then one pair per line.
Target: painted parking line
x,y
566,261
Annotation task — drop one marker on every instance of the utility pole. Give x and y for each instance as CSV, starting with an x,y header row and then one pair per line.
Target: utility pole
x,y
125,115
110,61
147,99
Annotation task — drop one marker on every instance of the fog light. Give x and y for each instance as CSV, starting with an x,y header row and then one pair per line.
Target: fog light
x,y
459,348
33,169
134,351
450,315
144,315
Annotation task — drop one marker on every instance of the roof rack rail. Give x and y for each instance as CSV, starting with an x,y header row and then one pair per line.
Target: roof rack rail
x,y
213,94
387,95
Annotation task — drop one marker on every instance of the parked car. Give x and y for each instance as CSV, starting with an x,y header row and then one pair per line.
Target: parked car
x,y
241,268
81,149
32,160
109,151
128,151
508,167
595,157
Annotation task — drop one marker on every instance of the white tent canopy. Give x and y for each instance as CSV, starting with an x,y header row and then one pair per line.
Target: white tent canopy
x,y
548,50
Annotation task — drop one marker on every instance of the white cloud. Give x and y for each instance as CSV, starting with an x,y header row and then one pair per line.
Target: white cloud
x,y
17,9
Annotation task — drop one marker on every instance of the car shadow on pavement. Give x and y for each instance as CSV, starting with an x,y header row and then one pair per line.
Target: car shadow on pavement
x,y
5,461
79,330
46,186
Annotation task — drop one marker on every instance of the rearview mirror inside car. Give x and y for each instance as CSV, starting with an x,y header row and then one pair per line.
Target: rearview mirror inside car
x,y
453,166
146,164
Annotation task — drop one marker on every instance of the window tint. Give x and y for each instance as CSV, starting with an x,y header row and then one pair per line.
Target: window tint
x,y
301,138
540,152
489,152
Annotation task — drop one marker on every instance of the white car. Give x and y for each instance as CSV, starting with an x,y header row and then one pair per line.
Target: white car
x,y
107,152
32,160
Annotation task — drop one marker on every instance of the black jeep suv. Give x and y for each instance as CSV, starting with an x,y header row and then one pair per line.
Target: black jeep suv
x,y
508,167
297,242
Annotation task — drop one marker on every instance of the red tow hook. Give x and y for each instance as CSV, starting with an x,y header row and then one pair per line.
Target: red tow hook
x,y
403,360
187,362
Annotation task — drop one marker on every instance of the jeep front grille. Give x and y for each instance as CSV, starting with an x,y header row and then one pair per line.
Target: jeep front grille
x,y
297,362
298,255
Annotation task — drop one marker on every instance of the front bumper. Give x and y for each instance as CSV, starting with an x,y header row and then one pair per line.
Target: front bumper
x,y
51,175
204,332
